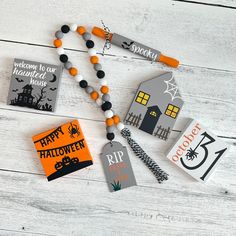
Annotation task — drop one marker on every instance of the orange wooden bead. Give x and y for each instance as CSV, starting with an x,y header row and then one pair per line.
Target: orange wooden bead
x,y
73,71
109,122
57,43
81,30
116,119
94,95
94,59
104,89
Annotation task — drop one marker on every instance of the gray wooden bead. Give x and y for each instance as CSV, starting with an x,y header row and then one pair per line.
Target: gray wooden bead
x,y
86,36
89,89
59,34
106,97
68,65
110,129
97,66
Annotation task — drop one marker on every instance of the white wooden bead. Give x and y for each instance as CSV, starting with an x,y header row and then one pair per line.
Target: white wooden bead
x,y
73,27
99,101
60,51
108,113
78,78
120,126
92,52
103,82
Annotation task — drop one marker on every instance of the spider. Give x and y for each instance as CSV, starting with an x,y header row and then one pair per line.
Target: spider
x,y
73,129
191,154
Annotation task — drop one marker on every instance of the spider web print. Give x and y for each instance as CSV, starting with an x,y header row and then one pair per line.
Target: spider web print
x,y
172,88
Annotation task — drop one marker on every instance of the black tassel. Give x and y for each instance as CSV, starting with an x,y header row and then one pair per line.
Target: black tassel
x,y
148,161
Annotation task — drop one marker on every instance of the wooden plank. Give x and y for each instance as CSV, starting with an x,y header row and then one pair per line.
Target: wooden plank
x,y
19,155
86,208
177,29
203,89
9,232
231,4
202,37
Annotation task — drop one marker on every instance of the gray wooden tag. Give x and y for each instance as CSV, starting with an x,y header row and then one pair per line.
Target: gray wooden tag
x,y
135,47
117,166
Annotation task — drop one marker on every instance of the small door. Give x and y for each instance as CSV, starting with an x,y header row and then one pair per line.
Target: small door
x,y
150,120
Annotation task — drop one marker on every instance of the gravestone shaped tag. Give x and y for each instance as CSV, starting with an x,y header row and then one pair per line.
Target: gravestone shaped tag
x,y
117,166
197,151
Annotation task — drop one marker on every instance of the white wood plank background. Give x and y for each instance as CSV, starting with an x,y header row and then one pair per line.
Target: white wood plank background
x,y
201,34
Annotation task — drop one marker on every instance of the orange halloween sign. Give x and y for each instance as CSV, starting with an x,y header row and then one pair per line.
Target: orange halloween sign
x,y
62,150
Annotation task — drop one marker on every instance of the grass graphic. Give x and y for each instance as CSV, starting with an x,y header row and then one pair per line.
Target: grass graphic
x,y
116,185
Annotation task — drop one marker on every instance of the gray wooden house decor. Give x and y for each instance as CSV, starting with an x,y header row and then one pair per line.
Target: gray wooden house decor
x,y
156,106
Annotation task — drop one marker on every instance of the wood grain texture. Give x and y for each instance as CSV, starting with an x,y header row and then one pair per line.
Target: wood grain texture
x,y
196,35
124,77
24,146
88,208
202,37
231,4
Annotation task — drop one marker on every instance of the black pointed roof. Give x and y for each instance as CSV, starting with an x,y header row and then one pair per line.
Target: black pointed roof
x,y
26,95
28,86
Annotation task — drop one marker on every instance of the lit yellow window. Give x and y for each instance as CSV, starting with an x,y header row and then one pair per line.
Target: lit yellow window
x,y
172,111
142,98
176,109
168,112
141,94
144,102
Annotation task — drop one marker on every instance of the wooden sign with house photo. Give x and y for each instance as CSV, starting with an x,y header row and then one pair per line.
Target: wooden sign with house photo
x,y
156,106
34,85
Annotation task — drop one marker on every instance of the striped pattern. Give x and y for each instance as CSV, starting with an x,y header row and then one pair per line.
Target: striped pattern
x,y
141,154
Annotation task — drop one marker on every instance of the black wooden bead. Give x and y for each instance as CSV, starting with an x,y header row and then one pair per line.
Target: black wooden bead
x,y
100,74
110,136
83,83
63,58
65,29
89,43
106,106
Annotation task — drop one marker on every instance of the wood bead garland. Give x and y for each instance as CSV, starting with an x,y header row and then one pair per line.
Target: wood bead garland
x,y
116,119
73,27
57,43
81,30
90,44
73,71
63,58
65,29
94,59
94,95
109,114
104,89
104,102
109,122
106,106
100,74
